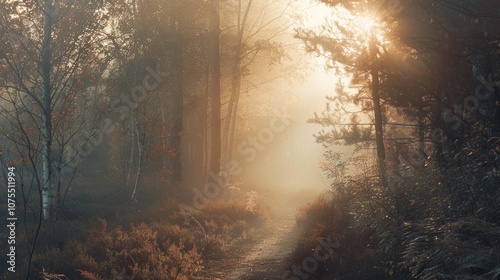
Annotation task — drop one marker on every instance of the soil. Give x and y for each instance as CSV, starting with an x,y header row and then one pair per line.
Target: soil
x,y
261,257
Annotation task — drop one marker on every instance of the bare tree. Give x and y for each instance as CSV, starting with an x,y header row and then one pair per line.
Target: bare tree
x,y
255,36
43,64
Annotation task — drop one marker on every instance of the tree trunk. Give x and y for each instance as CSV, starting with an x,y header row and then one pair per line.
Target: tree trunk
x,y
58,203
140,161
47,192
232,128
232,111
421,135
128,173
215,129
164,141
206,125
379,133
232,108
177,113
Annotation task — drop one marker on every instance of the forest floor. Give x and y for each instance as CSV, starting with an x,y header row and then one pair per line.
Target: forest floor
x,y
260,257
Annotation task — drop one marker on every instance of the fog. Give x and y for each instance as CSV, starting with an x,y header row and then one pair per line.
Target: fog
x,y
290,162
176,139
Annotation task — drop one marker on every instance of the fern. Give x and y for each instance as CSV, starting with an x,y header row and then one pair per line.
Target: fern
x,y
90,275
465,249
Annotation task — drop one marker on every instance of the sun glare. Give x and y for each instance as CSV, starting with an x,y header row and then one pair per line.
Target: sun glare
x,y
370,25
367,23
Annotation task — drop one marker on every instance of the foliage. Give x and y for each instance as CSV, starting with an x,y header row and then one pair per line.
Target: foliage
x,y
151,242
139,251
431,206
411,230
356,258
463,249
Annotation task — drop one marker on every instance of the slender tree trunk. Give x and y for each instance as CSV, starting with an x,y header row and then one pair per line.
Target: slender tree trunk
x,y
215,128
177,113
136,125
232,111
164,139
57,204
377,108
232,127
421,135
232,108
206,124
140,161
128,174
47,192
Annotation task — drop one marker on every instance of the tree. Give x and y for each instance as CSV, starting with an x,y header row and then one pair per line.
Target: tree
x,y
455,42
433,80
42,68
163,34
215,77
355,48
253,32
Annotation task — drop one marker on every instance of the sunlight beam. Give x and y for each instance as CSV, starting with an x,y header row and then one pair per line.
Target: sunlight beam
x,y
367,23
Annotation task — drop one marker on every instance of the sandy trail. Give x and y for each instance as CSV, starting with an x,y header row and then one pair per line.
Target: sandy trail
x,y
265,260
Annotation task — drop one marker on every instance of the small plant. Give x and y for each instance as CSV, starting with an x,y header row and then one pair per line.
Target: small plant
x,y
50,276
251,201
233,188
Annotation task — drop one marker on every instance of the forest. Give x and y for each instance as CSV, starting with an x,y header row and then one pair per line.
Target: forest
x,y
250,139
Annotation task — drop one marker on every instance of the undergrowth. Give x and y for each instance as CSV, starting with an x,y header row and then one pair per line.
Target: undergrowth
x,y
99,241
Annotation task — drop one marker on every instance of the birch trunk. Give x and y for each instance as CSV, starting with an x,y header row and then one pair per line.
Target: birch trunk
x,y
47,192
128,174
140,160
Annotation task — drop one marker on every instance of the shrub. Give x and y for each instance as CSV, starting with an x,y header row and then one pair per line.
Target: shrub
x,y
464,249
66,261
139,251
354,259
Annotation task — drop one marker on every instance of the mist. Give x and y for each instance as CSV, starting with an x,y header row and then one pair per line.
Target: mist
x,y
290,162
249,139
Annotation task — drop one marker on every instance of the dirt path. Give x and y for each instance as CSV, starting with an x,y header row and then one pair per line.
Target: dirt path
x,y
262,258
265,260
